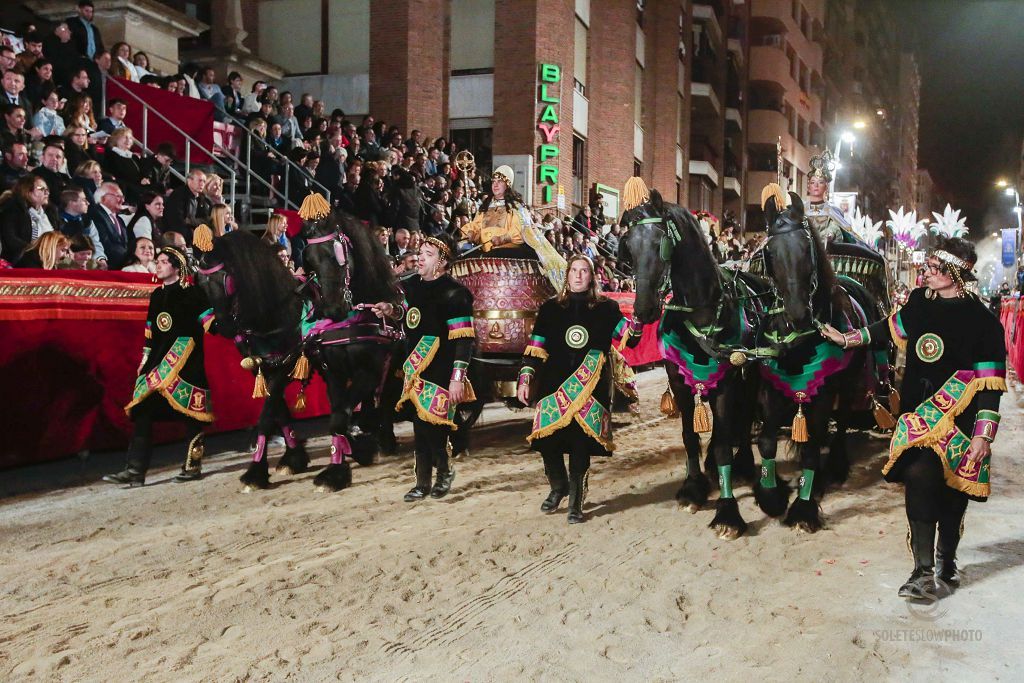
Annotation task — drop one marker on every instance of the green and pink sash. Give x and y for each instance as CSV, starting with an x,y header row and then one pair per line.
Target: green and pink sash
x,y
431,401
574,400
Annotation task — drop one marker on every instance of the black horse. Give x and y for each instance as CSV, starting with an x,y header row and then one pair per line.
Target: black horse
x,y
256,304
355,350
713,313
808,375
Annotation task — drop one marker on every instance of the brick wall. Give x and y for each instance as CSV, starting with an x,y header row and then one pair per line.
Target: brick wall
x,y
409,57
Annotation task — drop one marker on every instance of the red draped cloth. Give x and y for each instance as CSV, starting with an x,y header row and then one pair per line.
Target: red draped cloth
x,y
70,342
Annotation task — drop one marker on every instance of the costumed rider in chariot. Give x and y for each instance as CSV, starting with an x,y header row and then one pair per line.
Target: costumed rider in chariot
x,y
565,366
171,384
503,229
942,445
439,338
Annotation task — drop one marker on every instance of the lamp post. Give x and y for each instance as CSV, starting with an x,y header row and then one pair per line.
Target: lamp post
x,y
849,138
1011,191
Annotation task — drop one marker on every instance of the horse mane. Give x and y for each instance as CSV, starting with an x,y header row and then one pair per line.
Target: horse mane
x,y
373,279
262,282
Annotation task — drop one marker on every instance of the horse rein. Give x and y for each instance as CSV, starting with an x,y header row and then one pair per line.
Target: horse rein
x,y
778,307
342,245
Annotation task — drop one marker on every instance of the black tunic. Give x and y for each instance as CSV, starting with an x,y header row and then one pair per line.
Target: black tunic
x,y
438,334
178,318
956,366
568,351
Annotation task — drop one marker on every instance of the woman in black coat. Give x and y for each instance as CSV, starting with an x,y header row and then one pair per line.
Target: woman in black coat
x,y
119,162
25,211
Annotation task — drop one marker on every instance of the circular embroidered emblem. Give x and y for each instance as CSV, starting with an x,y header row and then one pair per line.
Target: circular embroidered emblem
x,y
929,347
413,317
163,322
576,336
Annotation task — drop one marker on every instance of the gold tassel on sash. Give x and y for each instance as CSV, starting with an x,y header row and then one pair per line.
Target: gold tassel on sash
x,y
894,401
883,418
301,369
701,415
800,425
259,389
668,404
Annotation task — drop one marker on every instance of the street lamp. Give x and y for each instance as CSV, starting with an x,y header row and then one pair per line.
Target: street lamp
x,y
860,124
849,138
1001,182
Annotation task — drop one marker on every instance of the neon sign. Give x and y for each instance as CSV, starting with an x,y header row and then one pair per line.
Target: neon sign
x,y
549,105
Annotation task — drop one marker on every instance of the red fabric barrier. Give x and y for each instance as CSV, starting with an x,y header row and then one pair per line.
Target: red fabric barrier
x,y
195,117
70,342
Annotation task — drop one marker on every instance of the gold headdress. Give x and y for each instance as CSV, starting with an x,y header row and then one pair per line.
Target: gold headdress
x,y
442,248
822,166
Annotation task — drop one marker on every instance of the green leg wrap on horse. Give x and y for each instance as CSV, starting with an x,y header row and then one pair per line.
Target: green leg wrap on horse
x,y
725,481
768,473
806,484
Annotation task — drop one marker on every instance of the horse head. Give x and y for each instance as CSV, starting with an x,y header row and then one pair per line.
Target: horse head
x,y
212,277
795,260
664,244
350,266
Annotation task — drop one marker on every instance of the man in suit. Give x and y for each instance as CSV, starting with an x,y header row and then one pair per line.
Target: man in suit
x,y
111,227
117,109
14,166
87,37
187,207
13,84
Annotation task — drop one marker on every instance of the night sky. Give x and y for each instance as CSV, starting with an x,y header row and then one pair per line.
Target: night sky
x,y
971,57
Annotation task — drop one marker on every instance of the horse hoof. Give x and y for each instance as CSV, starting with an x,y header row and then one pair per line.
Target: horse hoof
x,y
807,527
804,516
284,471
249,488
692,508
727,533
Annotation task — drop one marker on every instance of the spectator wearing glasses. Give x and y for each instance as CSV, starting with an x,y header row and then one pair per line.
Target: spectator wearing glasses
x,y
25,215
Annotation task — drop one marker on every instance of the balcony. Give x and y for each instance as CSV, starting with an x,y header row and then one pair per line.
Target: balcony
x,y
765,127
705,169
736,47
776,16
733,120
770,65
704,99
705,14
756,180
731,185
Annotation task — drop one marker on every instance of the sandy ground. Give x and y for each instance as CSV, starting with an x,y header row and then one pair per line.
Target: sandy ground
x,y
190,582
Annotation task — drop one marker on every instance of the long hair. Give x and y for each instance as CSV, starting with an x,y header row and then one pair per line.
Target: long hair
x,y
263,283
218,217
593,292
513,200
48,246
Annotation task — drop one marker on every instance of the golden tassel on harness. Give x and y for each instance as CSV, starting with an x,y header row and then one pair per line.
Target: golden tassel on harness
x,y
668,404
800,425
301,369
701,415
259,389
202,238
883,418
300,401
314,207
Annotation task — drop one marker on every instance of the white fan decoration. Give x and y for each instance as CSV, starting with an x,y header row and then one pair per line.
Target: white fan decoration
x,y
906,229
862,226
949,224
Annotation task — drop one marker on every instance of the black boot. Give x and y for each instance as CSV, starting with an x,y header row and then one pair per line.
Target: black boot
x,y
554,468
577,494
443,483
423,470
921,584
134,473
946,570
193,467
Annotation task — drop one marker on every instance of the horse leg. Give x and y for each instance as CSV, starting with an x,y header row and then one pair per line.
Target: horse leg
x,y
771,492
693,494
727,523
742,411
295,459
837,463
805,512
365,445
338,474
257,476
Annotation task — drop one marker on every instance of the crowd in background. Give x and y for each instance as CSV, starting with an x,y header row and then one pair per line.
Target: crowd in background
x,y
70,169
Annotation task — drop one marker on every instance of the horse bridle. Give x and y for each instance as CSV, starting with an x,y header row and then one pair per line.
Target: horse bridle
x,y
342,247
778,306
229,291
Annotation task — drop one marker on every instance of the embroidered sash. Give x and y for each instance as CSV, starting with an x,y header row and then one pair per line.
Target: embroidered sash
x,y
573,400
432,402
184,397
931,425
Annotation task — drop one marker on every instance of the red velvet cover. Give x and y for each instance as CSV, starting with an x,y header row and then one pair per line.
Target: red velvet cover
x,y
70,342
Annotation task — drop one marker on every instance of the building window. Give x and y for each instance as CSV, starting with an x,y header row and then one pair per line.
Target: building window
x,y
638,89
580,57
638,167
579,171
478,142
